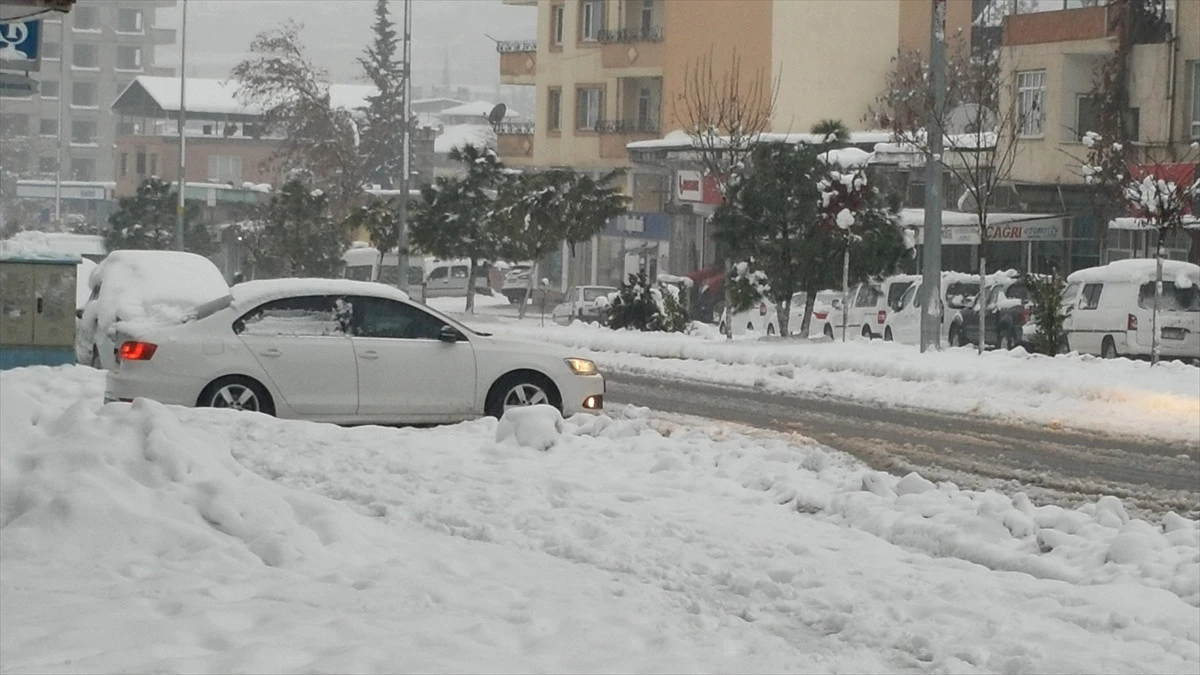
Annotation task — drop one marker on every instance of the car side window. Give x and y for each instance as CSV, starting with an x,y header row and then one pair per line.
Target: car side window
x,y
1090,298
439,273
909,298
459,272
384,318
302,316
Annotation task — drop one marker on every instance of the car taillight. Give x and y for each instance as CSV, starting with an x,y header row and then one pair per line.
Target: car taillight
x,y
1131,322
137,351
1025,315
820,316
762,309
881,317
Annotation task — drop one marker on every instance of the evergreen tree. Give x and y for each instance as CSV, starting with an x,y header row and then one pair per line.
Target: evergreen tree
x,y
1049,314
457,216
294,235
382,133
540,211
147,221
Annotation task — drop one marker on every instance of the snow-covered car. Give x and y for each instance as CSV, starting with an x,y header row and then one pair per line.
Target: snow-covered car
x,y
761,319
514,283
582,303
904,323
348,352
1007,314
132,292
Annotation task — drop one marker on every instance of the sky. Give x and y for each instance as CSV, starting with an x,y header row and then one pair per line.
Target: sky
x,y
449,33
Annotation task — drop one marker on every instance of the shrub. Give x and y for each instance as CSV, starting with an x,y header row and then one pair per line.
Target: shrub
x,y
640,305
1048,313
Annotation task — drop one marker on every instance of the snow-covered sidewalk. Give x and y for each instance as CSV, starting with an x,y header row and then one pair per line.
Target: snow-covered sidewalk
x,y
146,538
1118,396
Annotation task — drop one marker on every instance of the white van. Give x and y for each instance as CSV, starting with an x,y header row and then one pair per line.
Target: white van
x,y
441,277
903,324
869,306
1110,309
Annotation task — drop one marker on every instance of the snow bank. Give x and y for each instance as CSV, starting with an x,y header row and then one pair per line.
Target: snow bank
x,y
137,537
1116,396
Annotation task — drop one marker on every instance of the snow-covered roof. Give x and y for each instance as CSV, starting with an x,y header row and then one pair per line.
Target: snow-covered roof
x,y
681,140
1136,270
263,290
916,218
1191,222
219,97
458,135
474,108
33,244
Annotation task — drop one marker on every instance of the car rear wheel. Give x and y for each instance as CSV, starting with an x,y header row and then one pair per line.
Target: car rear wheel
x,y
887,334
770,329
96,357
237,393
867,334
828,331
1006,341
520,390
1108,349
956,336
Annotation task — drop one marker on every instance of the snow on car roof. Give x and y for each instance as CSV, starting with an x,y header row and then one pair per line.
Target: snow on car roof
x,y
1135,270
263,290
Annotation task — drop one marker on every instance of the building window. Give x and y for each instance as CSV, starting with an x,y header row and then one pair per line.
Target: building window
x,y
124,164
1031,95
129,20
83,168
85,56
589,104
554,109
85,18
83,131
225,169
129,58
84,94
558,18
154,164
591,20
126,127
51,51
140,161
49,88
647,17
1085,115
1194,118
47,164
48,127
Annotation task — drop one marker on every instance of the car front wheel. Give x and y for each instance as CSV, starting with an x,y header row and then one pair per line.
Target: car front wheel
x,y
237,393
519,390
956,336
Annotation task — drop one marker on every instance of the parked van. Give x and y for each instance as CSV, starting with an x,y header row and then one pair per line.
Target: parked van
x,y
1111,307
904,323
869,306
441,277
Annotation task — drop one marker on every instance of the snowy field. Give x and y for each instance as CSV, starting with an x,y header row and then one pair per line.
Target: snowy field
x,y
1117,396
142,538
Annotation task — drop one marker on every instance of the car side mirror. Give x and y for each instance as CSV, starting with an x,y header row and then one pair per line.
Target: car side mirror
x,y
448,334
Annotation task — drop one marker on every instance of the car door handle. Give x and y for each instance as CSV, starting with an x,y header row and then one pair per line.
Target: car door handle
x,y
372,354
272,352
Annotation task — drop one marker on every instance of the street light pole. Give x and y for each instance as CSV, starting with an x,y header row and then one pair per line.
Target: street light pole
x,y
179,243
62,87
931,268
406,168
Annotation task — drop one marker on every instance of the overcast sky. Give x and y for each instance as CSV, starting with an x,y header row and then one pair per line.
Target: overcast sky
x,y
445,33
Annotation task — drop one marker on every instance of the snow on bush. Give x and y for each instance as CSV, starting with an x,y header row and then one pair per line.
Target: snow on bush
x,y
536,427
642,305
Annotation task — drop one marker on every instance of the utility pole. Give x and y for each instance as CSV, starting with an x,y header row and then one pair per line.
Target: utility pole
x,y
931,268
62,98
402,220
182,120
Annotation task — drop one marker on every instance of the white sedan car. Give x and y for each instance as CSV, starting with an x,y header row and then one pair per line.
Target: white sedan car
x,y
343,351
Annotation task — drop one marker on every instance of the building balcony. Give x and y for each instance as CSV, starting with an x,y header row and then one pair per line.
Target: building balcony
x,y
630,35
616,134
619,54
1146,26
518,61
514,140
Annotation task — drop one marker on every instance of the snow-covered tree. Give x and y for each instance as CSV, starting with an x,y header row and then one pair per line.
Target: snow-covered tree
x,y
382,133
641,304
294,235
540,211
318,137
147,220
458,217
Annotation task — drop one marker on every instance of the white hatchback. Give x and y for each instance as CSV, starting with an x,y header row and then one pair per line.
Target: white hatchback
x,y
349,352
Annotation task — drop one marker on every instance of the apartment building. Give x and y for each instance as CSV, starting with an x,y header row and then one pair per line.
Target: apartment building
x,y
88,56
608,73
1053,60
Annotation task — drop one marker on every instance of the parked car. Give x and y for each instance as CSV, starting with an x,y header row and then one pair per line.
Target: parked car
x,y
135,291
514,282
1111,309
826,302
582,303
1008,308
761,319
904,324
343,351
442,278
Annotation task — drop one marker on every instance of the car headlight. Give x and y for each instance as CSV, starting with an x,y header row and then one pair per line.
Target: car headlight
x,y
582,366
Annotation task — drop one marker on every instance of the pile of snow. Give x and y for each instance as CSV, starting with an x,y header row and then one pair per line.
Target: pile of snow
x,y
35,246
462,135
137,537
1116,396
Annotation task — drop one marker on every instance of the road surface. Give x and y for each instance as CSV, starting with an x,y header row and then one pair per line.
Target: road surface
x,y
1150,477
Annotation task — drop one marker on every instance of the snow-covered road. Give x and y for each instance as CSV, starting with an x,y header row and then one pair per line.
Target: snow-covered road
x,y
145,538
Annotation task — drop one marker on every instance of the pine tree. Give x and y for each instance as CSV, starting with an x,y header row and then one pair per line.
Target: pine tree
x,y
294,235
382,135
147,221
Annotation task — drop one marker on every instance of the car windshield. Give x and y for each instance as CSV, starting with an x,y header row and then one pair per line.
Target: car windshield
x,y
590,294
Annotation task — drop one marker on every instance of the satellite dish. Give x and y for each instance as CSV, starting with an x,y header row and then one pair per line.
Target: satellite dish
x,y
970,118
497,114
